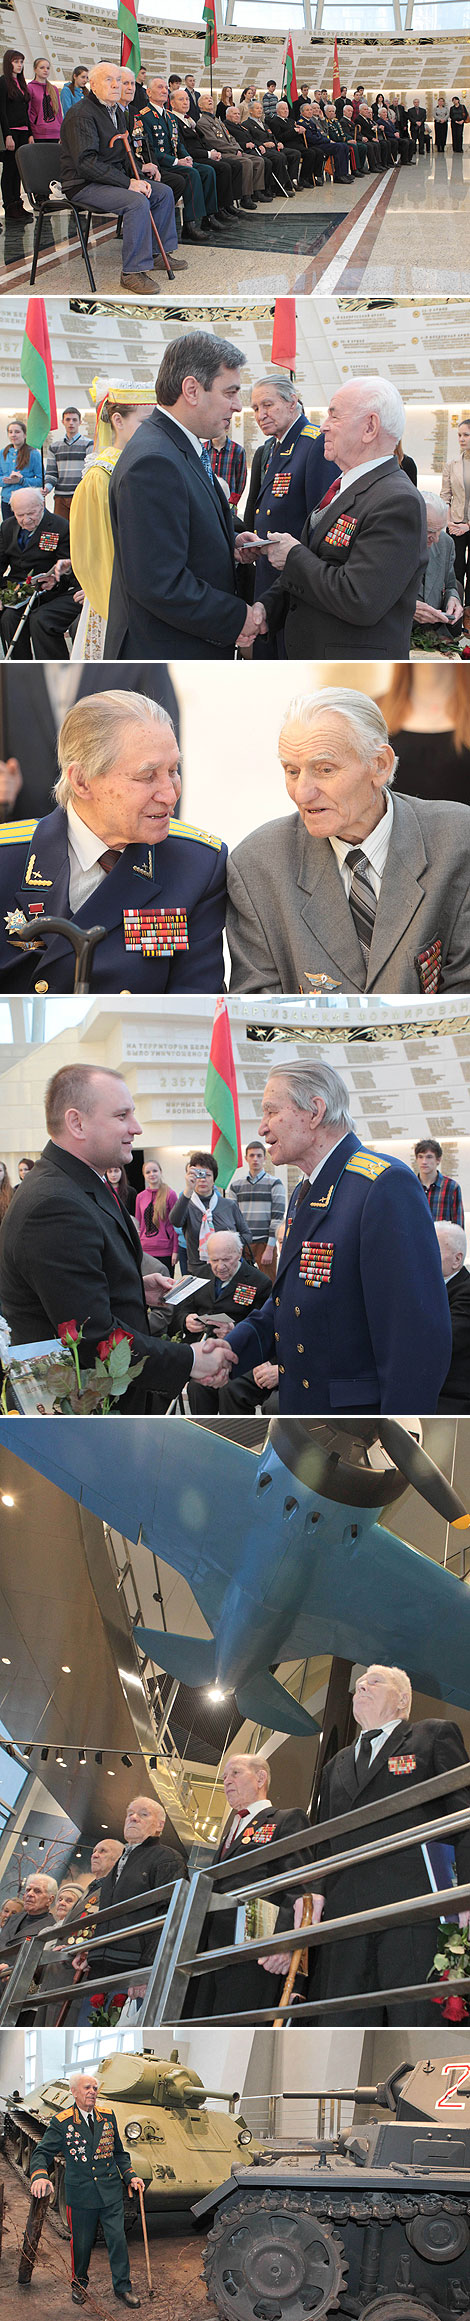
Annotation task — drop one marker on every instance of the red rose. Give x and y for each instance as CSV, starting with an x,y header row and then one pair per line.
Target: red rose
x,y
455,2010
106,1344
98,1999
67,1330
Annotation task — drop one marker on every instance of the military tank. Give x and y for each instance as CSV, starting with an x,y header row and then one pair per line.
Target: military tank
x,y
177,2145
374,2223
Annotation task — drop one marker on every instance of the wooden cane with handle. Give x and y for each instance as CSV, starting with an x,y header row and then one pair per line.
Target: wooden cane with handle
x,y
146,2245
122,138
299,1960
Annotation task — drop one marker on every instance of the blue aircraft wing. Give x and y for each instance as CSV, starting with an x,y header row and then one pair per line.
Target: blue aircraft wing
x,y
148,1483
374,1598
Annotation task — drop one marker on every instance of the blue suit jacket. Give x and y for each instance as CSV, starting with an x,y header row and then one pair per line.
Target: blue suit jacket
x,y
174,588
288,479
187,870
359,1315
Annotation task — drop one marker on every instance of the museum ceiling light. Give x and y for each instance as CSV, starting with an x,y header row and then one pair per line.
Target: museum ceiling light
x,y
7,1500
215,1693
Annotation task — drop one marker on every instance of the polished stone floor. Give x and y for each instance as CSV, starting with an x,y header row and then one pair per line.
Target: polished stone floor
x,y
406,231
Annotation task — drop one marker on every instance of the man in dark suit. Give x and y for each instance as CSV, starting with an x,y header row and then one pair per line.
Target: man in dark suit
x,y
455,1393
69,1250
196,148
28,767
234,1287
289,474
253,1822
391,1755
358,1317
349,589
143,1862
32,542
112,854
174,588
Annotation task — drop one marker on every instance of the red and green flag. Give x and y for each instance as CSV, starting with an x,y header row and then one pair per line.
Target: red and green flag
x,y
289,88
36,370
220,1097
130,43
211,49
336,92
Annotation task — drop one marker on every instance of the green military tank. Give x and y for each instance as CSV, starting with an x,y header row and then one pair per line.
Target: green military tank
x,y
373,2222
179,2147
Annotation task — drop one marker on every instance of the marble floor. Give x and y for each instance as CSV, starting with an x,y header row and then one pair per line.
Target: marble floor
x,y
405,231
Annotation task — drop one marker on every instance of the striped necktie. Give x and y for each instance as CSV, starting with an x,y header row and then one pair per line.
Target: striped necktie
x,y
362,900
206,462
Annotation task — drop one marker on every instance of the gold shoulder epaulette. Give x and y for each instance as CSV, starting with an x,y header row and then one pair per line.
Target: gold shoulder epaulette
x,y
11,833
309,430
187,830
67,2114
102,2106
367,1164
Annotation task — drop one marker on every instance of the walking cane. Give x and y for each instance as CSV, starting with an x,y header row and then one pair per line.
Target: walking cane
x,y
299,1959
122,138
82,939
146,2245
28,608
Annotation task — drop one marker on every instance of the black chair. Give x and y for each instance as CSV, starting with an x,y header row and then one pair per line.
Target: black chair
x,y
38,165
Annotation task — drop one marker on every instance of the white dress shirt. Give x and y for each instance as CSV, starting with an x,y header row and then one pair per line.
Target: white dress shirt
x,y
375,847
84,848
190,438
385,1730
351,475
327,1156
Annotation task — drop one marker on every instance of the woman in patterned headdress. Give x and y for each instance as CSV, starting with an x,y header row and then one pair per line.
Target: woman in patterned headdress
x,y
119,410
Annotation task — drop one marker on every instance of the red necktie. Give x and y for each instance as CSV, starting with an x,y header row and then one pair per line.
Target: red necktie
x,y
331,494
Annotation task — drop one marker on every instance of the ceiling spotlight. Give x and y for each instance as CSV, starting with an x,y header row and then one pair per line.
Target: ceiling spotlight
x,y
60,1760
41,1845
7,1500
24,1841
5,1663
105,1825
98,1756
127,1761
66,1671
44,1756
28,1749
111,1773
152,1764
82,1756
215,1693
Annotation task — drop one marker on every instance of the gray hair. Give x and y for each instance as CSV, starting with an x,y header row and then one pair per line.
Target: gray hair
x,y
306,1082
282,384
230,1235
401,1680
378,395
51,1883
439,507
197,354
363,716
85,2072
456,1235
91,733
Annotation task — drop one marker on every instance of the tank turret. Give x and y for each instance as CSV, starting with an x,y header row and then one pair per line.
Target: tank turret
x,y
373,2222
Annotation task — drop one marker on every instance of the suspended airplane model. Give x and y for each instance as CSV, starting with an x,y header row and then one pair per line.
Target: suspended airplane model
x,y
282,1548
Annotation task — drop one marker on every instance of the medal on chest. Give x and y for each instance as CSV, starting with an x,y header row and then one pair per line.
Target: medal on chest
x,y
341,532
243,1296
429,965
260,1832
281,483
156,933
47,542
402,1764
316,1259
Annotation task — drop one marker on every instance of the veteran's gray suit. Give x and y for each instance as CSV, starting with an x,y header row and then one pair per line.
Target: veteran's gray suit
x,y
289,920
350,589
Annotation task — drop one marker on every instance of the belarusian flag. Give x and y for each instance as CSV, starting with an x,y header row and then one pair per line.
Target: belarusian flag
x,y
336,79
284,334
130,43
289,88
36,370
211,46
220,1097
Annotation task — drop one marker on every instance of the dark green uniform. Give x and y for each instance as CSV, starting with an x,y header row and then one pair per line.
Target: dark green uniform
x,y
96,2167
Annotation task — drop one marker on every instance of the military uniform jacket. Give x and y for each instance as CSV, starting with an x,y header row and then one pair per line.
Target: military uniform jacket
x,y
289,923
350,588
410,1754
287,480
359,1314
93,2163
43,547
162,135
162,906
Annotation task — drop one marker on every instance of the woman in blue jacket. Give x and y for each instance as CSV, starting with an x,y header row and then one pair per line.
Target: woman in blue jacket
x,y
19,464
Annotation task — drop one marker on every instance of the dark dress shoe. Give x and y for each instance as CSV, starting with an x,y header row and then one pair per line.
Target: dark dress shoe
x,y
127,2297
192,234
79,2295
215,225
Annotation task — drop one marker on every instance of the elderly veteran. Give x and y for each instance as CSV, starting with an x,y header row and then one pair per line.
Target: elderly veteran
x,y
348,588
289,473
358,1318
86,2134
35,555
360,890
439,600
112,853
96,172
